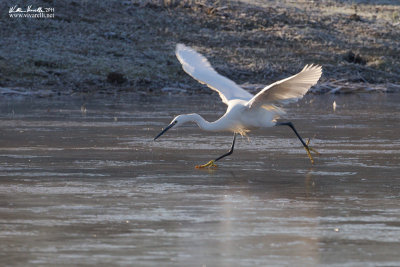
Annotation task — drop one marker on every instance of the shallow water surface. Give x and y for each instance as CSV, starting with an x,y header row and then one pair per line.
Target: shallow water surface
x,y
83,182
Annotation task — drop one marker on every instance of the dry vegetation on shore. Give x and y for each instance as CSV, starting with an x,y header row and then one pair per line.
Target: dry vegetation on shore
x,y
110,46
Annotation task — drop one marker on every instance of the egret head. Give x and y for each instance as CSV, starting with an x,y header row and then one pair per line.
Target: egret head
x,y
177,121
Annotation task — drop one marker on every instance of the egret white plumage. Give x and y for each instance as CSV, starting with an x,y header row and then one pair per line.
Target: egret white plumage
x,y
245,111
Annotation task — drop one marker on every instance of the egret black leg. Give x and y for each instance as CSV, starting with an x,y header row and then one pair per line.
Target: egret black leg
x,y
294,130
306,147
211,162
230,151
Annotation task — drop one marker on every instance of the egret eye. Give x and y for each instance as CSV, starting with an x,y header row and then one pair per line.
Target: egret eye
x,y
175,122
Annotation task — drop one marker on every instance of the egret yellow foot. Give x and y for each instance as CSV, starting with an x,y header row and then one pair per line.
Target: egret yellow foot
x,y
209,164
309,149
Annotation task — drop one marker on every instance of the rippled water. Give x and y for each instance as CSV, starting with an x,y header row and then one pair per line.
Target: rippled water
x,y
82,182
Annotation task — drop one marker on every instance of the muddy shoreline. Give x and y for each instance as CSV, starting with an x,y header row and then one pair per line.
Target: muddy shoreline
x,y
128,46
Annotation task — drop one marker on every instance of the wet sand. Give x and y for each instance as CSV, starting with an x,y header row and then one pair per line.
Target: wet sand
x,y
87,185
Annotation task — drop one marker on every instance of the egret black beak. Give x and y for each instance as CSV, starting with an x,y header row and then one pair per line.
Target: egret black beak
x,y
166,129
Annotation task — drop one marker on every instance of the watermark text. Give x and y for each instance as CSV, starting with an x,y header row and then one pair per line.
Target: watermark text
x,y
31,12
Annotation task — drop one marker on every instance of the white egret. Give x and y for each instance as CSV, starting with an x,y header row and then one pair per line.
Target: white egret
x,y
245,111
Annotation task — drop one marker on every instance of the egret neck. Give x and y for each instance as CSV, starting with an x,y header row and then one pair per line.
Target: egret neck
x,y
202,123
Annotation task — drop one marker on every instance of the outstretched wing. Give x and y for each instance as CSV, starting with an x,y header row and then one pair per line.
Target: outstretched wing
x,y
288,90
200,69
